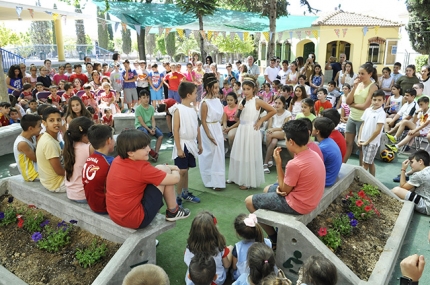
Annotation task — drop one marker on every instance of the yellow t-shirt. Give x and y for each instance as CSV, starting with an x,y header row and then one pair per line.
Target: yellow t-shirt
x,y
48,148
360,97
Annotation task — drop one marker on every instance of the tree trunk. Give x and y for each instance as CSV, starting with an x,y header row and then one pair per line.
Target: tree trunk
x,y
80,32
272,21
202,40
141,44
126,41
3,89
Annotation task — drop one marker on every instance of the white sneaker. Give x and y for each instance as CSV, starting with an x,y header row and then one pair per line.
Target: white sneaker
x,y
266,169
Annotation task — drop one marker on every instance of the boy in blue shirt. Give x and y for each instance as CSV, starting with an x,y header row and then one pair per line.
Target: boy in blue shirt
x,y
331,153
129,85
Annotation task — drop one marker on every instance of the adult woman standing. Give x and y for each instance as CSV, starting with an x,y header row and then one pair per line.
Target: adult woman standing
x,y
408,80
425,76
309,66
358,100
348,76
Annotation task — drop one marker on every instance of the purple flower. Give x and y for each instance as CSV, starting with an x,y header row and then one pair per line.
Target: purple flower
x,y
36,236
62,224
1,215
10,199
44,223
73,222
350,215
353,222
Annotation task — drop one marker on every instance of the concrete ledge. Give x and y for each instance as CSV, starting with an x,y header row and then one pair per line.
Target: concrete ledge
x,y
294,238
8,134
126,121
138,246
7,278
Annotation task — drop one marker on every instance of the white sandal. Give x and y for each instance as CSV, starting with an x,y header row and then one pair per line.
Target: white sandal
x,y
266,169
270,164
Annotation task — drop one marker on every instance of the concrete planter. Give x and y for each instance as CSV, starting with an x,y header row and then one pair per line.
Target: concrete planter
x,y
138,246
298,242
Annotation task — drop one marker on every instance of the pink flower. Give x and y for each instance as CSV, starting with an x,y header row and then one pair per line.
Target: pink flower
x,y
359,203
367,208
361,194
322,232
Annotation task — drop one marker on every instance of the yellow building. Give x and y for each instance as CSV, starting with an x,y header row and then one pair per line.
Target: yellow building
x,y
361,37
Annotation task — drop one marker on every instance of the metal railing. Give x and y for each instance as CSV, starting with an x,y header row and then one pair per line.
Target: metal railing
x,y
10,59
43,52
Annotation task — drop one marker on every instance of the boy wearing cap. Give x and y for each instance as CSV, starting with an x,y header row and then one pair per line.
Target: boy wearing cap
x,y
129,77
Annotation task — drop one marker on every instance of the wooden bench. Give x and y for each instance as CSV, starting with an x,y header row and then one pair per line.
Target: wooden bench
x,y
126,121
8,134
138,246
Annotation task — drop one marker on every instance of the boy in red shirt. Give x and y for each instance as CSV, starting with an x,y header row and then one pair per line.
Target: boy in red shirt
x,y
174,78
4,113
322,103
335,135
26,95
164,107
54,99
135,189
97,167
107,118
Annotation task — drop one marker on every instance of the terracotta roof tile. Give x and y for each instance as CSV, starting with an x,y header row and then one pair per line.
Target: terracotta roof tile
x,y
341,18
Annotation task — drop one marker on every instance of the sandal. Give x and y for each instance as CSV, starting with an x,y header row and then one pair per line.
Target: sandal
x,y
243,187
270,164
266,169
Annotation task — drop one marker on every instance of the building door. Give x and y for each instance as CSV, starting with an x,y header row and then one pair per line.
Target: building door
x,y
307,49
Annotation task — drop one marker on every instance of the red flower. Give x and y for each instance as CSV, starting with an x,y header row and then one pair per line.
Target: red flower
x,y
359,203
322,232
20,223
361,194
31,206
367,208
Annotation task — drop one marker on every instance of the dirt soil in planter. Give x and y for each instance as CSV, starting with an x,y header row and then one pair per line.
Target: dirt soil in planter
x,y
20,255
361,250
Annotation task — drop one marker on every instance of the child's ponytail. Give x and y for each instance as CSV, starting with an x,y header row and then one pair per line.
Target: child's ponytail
x,y
78,127
248,228
261,262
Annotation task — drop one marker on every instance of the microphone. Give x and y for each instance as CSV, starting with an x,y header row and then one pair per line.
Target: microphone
x,y
243,104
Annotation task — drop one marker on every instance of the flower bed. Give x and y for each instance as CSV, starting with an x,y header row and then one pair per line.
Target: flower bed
x,y
40,248
357,225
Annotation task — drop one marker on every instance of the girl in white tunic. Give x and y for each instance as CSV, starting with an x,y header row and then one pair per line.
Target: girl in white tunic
x,y
246,159
212,159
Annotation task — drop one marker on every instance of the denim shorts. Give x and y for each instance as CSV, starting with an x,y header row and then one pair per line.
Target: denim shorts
x,y
158,133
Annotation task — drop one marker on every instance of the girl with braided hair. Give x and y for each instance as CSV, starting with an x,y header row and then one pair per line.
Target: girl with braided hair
x,y
212,159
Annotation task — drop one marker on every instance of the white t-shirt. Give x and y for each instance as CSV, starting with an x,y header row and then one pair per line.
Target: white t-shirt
x,y
271,72
284,75
370,119
406,109
307,88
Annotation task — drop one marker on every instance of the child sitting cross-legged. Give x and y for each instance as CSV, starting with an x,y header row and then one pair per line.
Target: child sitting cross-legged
x,y
135,189
97,166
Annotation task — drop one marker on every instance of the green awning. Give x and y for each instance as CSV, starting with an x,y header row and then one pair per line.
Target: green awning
x,y
170,16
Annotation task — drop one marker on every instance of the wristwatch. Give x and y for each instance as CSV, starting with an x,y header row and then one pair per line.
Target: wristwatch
x,y
407,281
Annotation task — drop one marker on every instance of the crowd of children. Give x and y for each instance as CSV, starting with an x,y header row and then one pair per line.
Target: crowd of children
x,y
73,135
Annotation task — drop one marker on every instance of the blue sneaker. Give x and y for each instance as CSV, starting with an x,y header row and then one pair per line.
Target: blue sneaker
x,y
190,198
179,201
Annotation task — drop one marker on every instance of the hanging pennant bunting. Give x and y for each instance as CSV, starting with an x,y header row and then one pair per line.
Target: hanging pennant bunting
x,y
337,32
291,36
232,35
203,34
280,36
64,17
365,29
160,31
196,35
124,26
315,33
18,10
344,32
31,12
180,33
187,33
116,26
216,33
245,36
376,30
137,27
299,35
240,35
308,33
54,16
147,30
223,33
210,34
167,31
266,36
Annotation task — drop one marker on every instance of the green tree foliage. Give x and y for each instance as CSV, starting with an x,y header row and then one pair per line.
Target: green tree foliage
x,y
419,26
236,46
150,44
41,34
103,33
170,41
199,8
160,44
8,37
126,41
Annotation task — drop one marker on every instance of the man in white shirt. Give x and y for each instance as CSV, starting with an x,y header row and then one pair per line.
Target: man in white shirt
x,y
252,67
405,113
271,71
283,73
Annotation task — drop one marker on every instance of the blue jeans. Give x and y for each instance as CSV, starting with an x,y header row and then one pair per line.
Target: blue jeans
x,y
158,133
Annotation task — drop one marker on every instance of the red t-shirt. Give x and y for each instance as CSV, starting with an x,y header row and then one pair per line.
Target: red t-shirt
x,y
94,176
81,76
175,79
107,120
4,121
58,77
125,187
26,95
66,97
169,102
56,101
339,140
306,174
319,107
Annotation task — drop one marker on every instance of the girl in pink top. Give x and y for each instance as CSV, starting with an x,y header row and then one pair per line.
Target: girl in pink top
x,y
229,120
190,74
76,151
267,94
